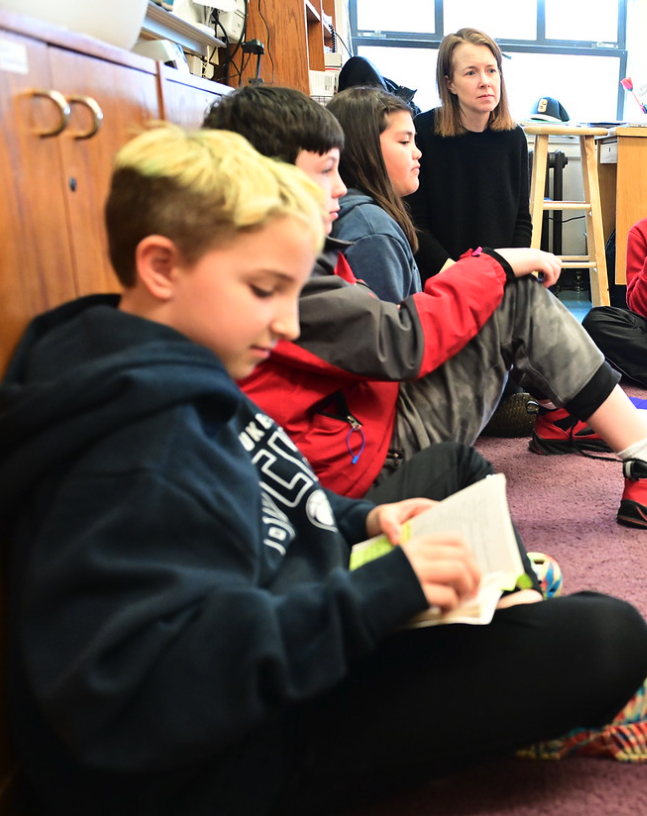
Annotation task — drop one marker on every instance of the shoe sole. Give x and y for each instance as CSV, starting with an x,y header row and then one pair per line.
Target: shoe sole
x,y
556,447
632,514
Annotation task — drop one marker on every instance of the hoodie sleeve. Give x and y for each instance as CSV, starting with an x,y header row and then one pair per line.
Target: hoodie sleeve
x,y
382,260
350,515
380,254
149,639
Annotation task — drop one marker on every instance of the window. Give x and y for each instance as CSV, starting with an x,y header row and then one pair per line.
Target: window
x,y
558,48
381,15
574,20
511,19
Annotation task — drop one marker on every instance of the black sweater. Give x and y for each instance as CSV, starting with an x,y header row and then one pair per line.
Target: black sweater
x,y
474,191
179,580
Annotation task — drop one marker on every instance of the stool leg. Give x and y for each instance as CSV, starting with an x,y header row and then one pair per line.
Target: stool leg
x,y
537,187
594,229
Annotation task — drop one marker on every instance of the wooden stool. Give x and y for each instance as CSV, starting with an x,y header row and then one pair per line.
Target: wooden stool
x,y
595,261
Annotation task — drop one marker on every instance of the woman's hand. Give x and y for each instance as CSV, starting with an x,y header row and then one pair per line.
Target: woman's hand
x,y
389,518
526,261
445,568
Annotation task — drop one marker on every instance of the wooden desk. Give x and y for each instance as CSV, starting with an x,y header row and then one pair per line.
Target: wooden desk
x,y
622,172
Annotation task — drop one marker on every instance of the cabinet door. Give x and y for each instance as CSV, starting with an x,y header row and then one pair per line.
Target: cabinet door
x,y
36,258
127,98
185,99
282,26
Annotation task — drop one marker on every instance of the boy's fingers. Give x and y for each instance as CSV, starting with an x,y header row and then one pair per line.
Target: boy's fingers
x,y
443,597
443,563
388,518
452,574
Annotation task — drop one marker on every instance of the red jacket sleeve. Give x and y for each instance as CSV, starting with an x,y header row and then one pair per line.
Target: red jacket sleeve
x,y
637,268
347,329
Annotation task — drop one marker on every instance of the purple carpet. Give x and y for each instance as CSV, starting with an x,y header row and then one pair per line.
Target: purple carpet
x,y
564,506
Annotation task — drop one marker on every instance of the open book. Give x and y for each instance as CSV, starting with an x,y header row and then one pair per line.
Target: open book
x,y
480,513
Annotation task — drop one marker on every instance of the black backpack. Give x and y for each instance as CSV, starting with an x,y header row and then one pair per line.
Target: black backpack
x,y
361,71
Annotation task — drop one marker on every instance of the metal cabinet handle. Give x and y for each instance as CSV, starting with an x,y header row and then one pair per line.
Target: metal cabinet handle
x,y
97,116
63,108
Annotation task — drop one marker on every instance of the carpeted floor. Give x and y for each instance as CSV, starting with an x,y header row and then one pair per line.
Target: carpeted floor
x,y
574,787
565,506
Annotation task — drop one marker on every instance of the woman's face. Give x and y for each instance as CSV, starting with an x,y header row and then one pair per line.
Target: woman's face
x,y
475,79
401,156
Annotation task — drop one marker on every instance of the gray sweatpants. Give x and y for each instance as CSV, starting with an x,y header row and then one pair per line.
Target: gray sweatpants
x,y
552,355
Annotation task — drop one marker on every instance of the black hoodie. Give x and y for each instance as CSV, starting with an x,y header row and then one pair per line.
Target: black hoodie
x,y
178,580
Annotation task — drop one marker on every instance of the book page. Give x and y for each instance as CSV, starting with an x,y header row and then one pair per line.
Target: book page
x,y
480,513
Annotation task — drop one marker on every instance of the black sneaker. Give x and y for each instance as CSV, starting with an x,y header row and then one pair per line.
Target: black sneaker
x,y
514,416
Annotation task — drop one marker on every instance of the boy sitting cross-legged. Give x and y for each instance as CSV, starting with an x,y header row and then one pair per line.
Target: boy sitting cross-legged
x,y
185,635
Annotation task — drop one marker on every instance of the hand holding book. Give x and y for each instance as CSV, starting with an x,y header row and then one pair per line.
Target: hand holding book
x,y
475,520
446,569
389,519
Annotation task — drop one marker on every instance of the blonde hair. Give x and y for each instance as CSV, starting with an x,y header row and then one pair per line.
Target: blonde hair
x,y
448,118
200,189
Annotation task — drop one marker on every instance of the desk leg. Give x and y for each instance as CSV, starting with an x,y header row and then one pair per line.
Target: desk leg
x,y
537,187
594,231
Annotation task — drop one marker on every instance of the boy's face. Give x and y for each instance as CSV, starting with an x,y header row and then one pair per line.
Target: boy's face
x,y
323,169
240,299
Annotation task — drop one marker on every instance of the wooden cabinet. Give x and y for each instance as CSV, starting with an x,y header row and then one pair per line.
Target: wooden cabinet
x,y
622,170
67,104
64,113
109,104
295,34
184,99
320,21
36,254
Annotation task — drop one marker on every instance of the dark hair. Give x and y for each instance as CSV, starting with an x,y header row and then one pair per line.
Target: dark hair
x,y
279,122
448,121
200,189
363,113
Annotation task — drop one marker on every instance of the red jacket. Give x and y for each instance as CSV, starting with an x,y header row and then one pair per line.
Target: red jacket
x,y
335,389
637,268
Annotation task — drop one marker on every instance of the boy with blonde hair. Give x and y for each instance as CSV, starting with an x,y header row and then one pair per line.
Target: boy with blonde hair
x,y
185,635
